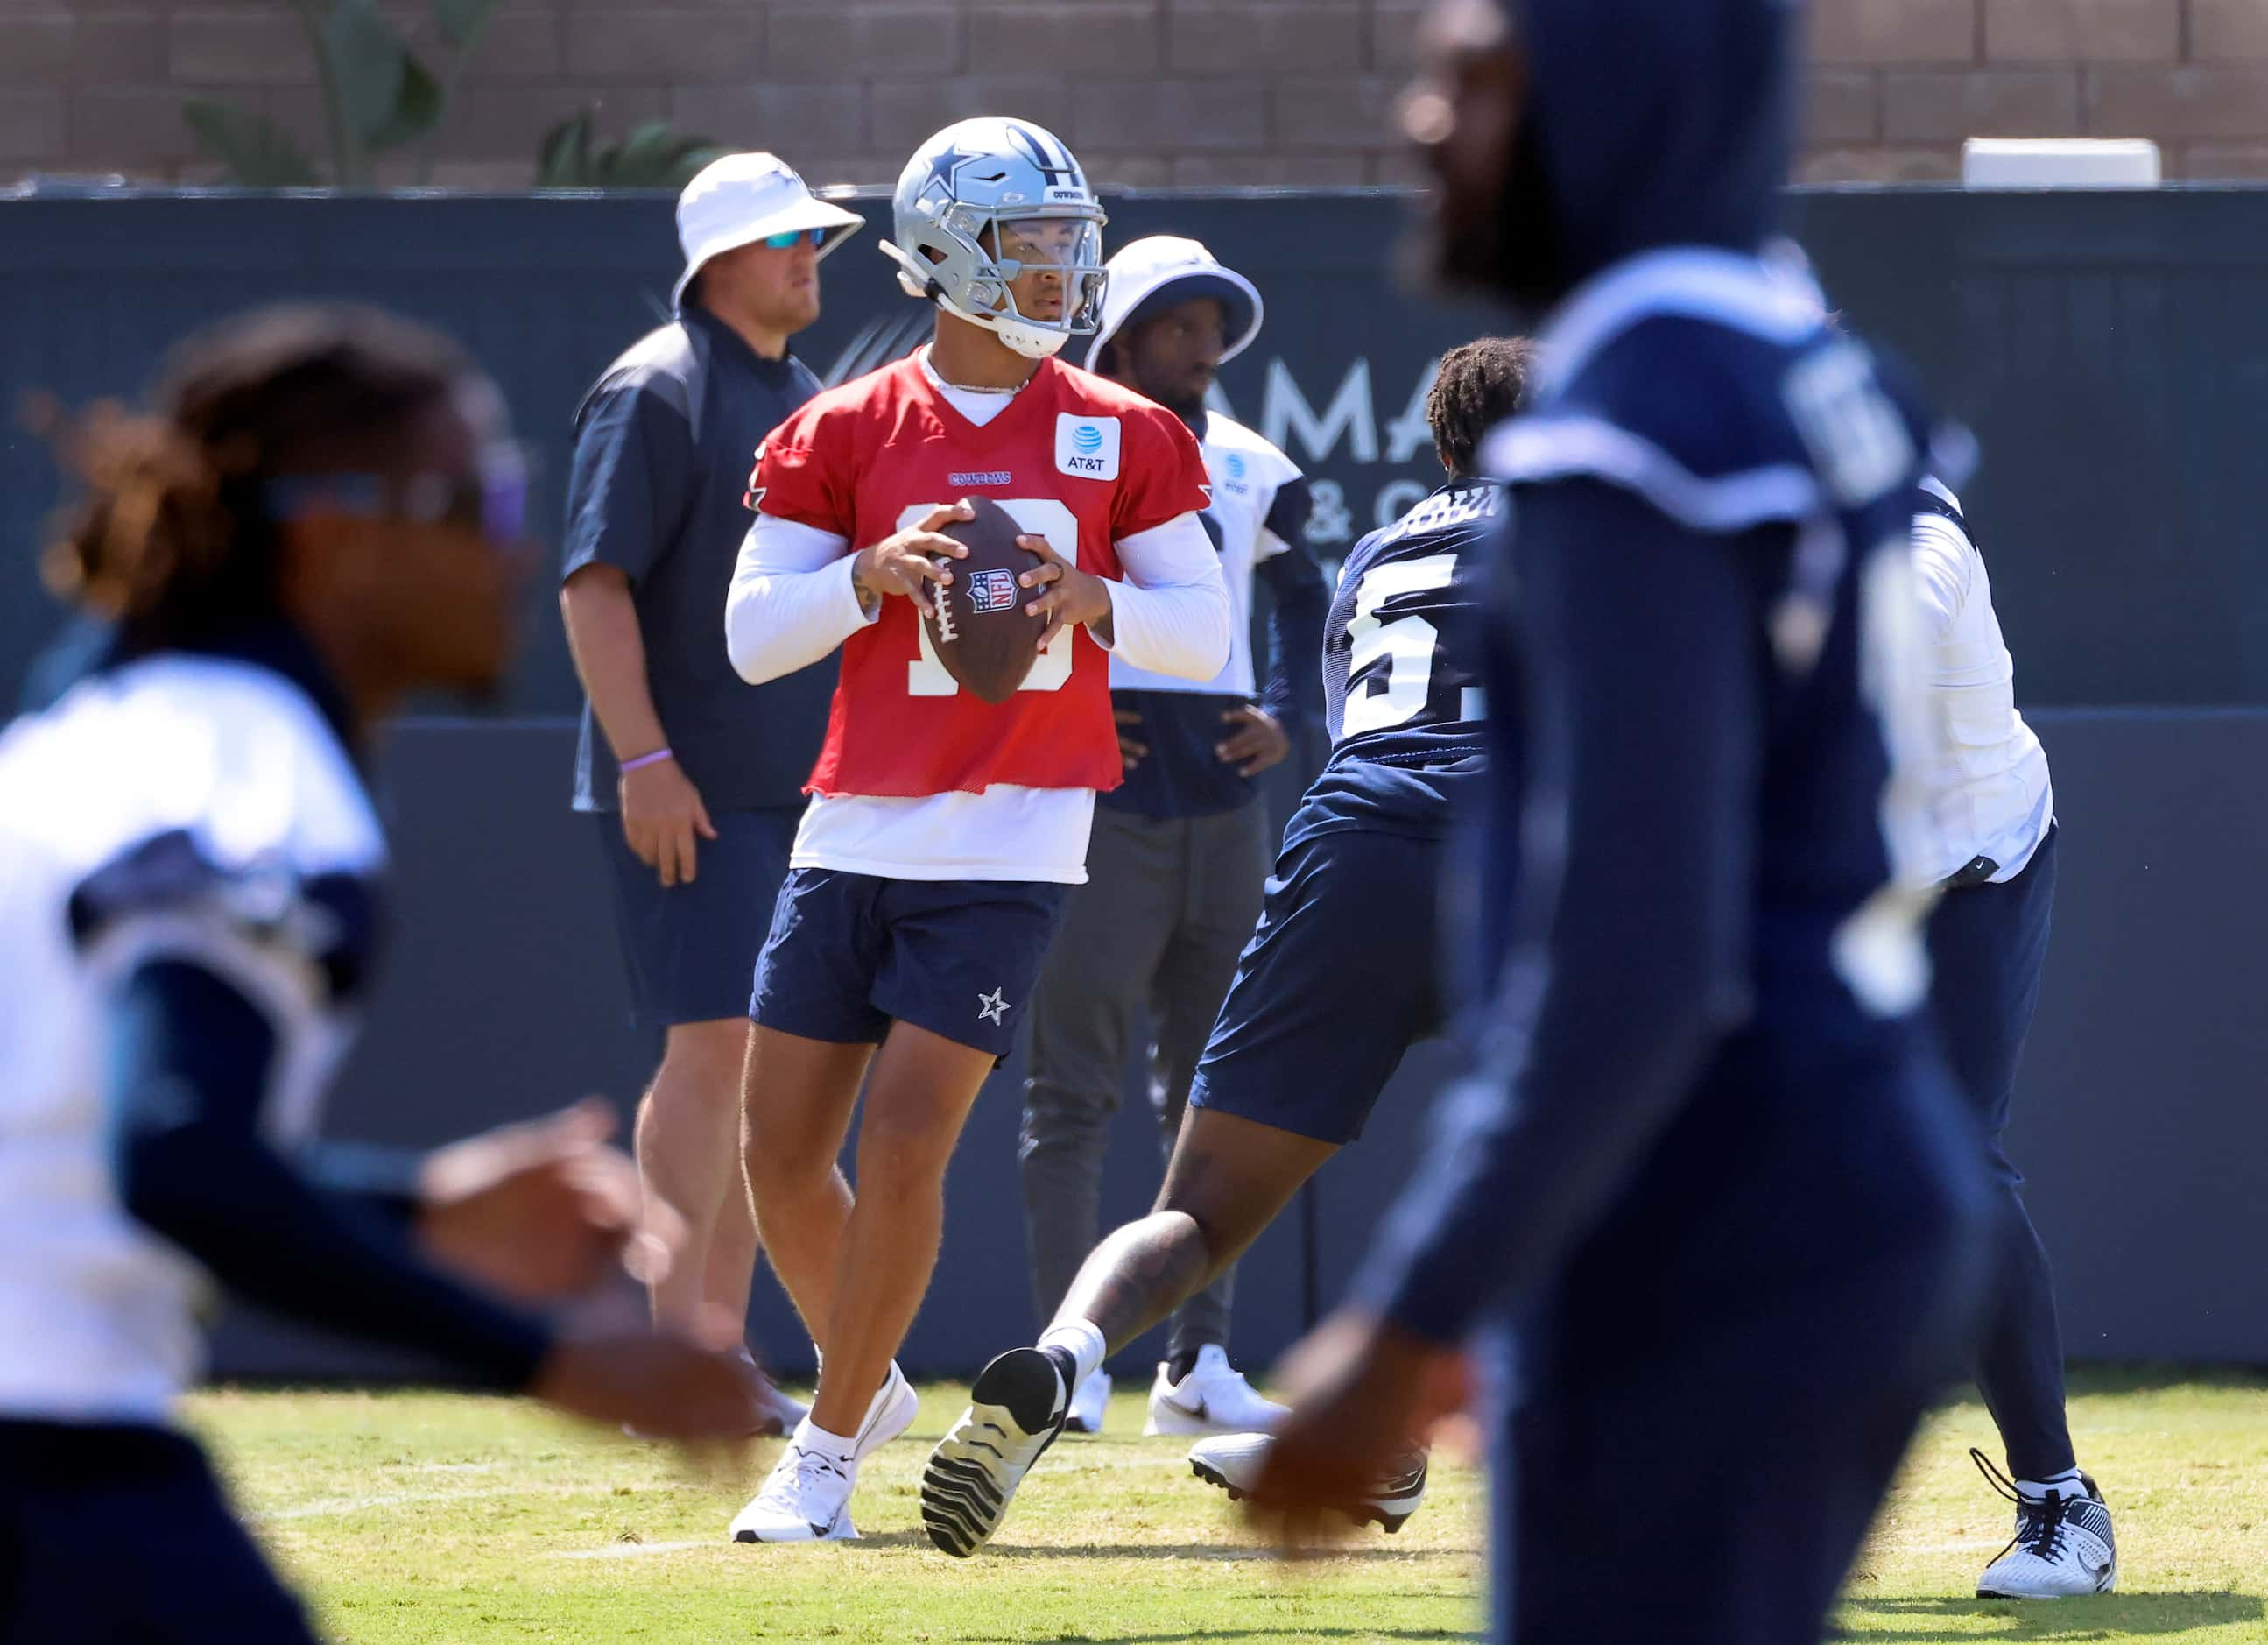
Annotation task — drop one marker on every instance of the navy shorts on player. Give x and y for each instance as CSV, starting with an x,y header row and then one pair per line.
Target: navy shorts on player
x,y
690,949
1339,980
850,954
116,1535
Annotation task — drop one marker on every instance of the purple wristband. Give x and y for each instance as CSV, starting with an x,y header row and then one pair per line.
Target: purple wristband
x,y
645,760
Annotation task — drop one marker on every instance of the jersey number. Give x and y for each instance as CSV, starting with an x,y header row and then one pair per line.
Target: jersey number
x,y
1405,645
1040,516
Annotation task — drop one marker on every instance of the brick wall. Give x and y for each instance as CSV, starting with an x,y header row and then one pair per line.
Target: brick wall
x,y
1192,91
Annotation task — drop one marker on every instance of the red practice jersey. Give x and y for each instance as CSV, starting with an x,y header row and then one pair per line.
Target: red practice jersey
x,y
1074,458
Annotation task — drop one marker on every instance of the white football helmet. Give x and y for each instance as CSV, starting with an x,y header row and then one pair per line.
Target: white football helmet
x,y
963,196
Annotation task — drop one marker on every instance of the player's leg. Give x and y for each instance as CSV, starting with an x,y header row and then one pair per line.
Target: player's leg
x,y
1988,944
1725,1374
1198,1390
688,1123
955,972
1281,1088
1084,1007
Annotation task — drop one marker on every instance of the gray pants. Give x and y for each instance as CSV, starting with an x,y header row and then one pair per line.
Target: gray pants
x,y
1169,906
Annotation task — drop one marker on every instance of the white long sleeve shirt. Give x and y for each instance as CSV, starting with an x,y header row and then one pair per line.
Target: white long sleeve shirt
x,y
1990,792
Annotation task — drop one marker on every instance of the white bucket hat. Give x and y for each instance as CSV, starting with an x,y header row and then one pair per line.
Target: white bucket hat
x,y
743,198
1160,270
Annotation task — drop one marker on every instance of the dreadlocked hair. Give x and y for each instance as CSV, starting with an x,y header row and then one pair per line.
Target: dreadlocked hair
x,y
172,542
1479,385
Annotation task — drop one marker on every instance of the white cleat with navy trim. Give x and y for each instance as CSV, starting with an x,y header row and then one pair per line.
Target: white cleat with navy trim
x,y
2062,1547
1234,1462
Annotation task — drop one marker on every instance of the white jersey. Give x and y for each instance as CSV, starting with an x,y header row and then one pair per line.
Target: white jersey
x,y
181,806
1989,789
1247,473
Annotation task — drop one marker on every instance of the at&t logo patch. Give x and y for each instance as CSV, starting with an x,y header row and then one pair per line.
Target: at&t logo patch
x,y
1086,446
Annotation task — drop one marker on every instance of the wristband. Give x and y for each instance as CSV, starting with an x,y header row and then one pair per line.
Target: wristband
x,y
645,760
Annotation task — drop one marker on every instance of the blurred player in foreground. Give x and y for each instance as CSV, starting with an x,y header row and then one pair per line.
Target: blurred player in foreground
x,y
695,780
1703,1164
1995,858
323,517
1181,849
1339,980
929,870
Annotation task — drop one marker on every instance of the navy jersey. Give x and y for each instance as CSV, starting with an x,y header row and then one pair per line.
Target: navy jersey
x,y
1402,692
1706,603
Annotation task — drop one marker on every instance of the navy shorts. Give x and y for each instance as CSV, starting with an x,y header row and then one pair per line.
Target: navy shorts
x,y
850,954
120,1535
689,950
1339,980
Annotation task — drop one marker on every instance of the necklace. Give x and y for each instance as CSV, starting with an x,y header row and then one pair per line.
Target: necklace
x,y
929,365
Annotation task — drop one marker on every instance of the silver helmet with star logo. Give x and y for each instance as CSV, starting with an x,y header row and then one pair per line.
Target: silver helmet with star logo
x,y
980,204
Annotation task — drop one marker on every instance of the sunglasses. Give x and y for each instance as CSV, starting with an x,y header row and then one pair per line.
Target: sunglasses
x,y
492,502
814,237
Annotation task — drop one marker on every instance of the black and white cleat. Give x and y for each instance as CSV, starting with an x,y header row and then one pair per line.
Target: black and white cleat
x,y
1016,1409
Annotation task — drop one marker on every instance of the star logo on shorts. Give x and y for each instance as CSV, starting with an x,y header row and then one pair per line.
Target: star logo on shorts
x,y
993,1008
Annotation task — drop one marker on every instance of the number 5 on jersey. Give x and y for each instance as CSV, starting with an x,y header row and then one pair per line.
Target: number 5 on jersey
x,y
1040,517
1406,645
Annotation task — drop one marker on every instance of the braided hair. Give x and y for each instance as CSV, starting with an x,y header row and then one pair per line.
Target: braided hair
x,y
1479,385
173,543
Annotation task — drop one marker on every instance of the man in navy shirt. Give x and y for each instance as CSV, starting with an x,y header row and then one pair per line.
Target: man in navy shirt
x,y
1338,983
696,778
1702,1164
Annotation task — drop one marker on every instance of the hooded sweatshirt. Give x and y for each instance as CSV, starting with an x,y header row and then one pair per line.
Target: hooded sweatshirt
x,y
1696,657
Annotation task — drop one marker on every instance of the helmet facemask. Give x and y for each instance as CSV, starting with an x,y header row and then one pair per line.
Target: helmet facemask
x,y
975,256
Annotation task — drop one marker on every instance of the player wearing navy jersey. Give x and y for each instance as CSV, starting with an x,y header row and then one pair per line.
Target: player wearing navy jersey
x,y
1702,1165
1338,983
323,517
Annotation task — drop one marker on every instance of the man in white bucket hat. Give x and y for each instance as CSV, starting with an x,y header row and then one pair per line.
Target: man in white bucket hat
x,y
1181,851
695,777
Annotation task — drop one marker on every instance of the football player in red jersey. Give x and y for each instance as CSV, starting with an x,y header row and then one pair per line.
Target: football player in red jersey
x,y
943,833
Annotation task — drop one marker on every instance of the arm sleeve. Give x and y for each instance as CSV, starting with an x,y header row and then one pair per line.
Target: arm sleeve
x,y
190,1058
1299,605
1646,713
630,483
791,601
1171,612
1941,559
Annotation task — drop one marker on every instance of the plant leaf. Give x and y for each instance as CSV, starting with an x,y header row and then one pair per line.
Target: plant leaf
x,y
564,159
258,152
416,109
369,64
463,22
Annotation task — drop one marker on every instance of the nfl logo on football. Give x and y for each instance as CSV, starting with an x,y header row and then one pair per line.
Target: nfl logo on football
x,y
991,591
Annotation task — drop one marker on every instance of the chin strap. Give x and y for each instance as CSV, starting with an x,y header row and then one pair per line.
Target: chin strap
x,y
1034,342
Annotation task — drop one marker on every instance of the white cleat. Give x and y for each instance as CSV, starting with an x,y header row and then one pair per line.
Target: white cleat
x,y
1234,1461
1212,1398
806,1498
1016,1407
2062,1547
1089,1405
889,1413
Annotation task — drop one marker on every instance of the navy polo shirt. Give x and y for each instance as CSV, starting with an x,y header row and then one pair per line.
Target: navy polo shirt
x,y
663,445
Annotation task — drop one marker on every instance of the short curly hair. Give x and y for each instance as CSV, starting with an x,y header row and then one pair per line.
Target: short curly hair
x,y
1479,384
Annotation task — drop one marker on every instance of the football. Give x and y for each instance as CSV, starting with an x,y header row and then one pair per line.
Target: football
x,y
979,630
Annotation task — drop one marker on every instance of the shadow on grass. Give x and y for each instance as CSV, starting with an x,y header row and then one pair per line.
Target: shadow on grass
x,y
2062,1622
1276,1632
1229,1552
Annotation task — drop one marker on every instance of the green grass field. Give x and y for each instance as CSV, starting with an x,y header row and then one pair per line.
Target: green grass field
x,y
433,1518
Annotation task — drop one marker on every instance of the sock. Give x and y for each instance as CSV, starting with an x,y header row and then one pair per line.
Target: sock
x,y
2067,1484
835,1447
1082,1339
